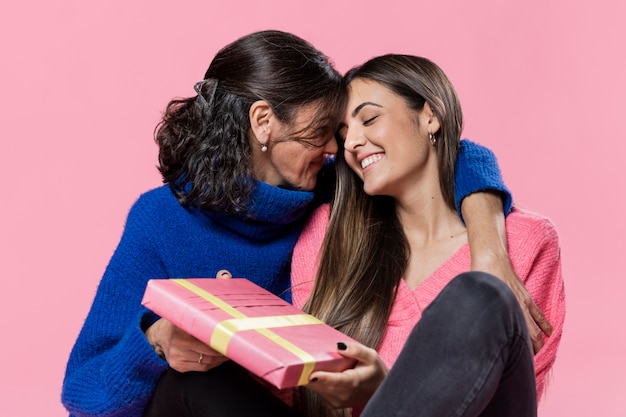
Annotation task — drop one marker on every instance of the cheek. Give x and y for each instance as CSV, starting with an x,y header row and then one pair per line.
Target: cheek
x,y
352,163
298,163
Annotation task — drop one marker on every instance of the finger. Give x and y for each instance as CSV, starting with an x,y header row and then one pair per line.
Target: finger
x,y
210,353
326,378
535,335
362,354
337,387
357,351
194,366
349,350
207,358
223,274
187,346
540,319
203,362
537,342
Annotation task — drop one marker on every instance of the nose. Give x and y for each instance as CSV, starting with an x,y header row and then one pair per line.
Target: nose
x,y
353,140
331,146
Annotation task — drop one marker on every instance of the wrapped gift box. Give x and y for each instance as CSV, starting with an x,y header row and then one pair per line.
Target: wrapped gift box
x,y
251,326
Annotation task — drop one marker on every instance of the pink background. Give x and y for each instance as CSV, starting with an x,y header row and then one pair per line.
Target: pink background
x,y
83,84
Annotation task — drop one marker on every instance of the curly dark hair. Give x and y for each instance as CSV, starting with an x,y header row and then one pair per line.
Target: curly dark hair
x,y
204,150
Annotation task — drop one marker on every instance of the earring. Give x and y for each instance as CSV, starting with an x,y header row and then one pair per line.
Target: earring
x,y
432,139
264,148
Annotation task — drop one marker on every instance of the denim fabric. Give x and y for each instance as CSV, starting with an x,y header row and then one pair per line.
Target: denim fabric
x,y
469,355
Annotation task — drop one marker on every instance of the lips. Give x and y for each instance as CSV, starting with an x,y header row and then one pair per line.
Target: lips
x,y
370,160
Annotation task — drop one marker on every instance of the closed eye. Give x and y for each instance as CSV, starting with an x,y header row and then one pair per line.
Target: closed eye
x,y
340,134
370,121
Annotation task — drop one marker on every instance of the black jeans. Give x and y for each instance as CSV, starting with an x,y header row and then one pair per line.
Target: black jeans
x,y
470,355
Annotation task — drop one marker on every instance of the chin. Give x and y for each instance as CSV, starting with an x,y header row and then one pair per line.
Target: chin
x,y
309,187
371,190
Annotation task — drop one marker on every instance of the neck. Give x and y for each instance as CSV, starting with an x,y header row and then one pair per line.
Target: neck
x,y
426,217
433,231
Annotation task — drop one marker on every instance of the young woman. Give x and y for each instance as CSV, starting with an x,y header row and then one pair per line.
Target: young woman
x,y
244,162
393,243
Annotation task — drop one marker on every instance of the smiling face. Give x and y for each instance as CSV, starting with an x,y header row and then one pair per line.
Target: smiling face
x,y
386,143
295,152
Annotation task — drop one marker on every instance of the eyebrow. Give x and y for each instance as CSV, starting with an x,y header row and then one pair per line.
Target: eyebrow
x,y
360,106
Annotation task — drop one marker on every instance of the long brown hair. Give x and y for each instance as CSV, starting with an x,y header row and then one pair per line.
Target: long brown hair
x,y
365,252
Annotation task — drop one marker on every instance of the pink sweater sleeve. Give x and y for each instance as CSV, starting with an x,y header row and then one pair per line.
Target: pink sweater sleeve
x,y
306,255
536,257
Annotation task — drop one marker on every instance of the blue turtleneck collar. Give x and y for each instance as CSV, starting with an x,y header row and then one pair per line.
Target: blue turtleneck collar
x,y
271,212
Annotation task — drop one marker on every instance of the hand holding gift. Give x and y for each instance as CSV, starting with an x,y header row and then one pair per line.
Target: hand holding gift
x,y
258,330
182,351
354,386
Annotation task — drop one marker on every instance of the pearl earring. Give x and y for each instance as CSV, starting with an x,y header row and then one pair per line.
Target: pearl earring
x,y
432,139
264,148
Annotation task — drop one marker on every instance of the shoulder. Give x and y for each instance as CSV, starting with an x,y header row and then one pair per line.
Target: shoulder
x,y
320,216
156,196
525,221
305,258
156,206
530,233
316,225
156,201
312,235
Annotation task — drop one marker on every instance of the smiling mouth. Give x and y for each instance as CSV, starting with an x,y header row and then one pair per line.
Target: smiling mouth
x,y
370,160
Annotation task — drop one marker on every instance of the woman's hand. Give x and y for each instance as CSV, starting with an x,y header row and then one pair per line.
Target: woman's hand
x,y
486,234
352,387
535,320
182,351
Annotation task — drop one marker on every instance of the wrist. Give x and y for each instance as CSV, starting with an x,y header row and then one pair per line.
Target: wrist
x,y
493,261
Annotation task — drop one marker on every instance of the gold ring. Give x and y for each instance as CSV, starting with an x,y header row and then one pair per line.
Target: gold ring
x,y
200,358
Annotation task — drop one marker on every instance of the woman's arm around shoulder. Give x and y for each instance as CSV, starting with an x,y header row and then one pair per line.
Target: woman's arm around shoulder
x,y
536,255
483,201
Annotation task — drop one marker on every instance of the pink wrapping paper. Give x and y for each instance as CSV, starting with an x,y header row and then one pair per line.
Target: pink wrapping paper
x,y
251,326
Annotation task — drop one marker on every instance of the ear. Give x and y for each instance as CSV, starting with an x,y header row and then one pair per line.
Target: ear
x,y
432,121
261,120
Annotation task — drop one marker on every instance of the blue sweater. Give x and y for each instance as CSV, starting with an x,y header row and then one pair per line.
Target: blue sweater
x,y
112,369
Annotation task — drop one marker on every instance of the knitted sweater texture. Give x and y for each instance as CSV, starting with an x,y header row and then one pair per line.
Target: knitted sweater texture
x,y
112,369
534,252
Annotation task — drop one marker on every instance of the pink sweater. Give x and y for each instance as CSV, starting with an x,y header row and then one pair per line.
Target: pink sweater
x,y
535,254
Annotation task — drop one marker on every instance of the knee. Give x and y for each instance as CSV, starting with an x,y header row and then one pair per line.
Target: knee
x,y
481,285
484,292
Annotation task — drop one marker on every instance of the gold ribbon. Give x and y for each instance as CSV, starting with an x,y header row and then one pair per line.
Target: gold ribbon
x,y
226,329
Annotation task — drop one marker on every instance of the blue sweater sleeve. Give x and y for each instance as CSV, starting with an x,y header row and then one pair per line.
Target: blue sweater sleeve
x,y
477,170
112,369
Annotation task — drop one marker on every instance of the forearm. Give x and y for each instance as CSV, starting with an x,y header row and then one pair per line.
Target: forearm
x,y
486,232
111,381
112,369
538,259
